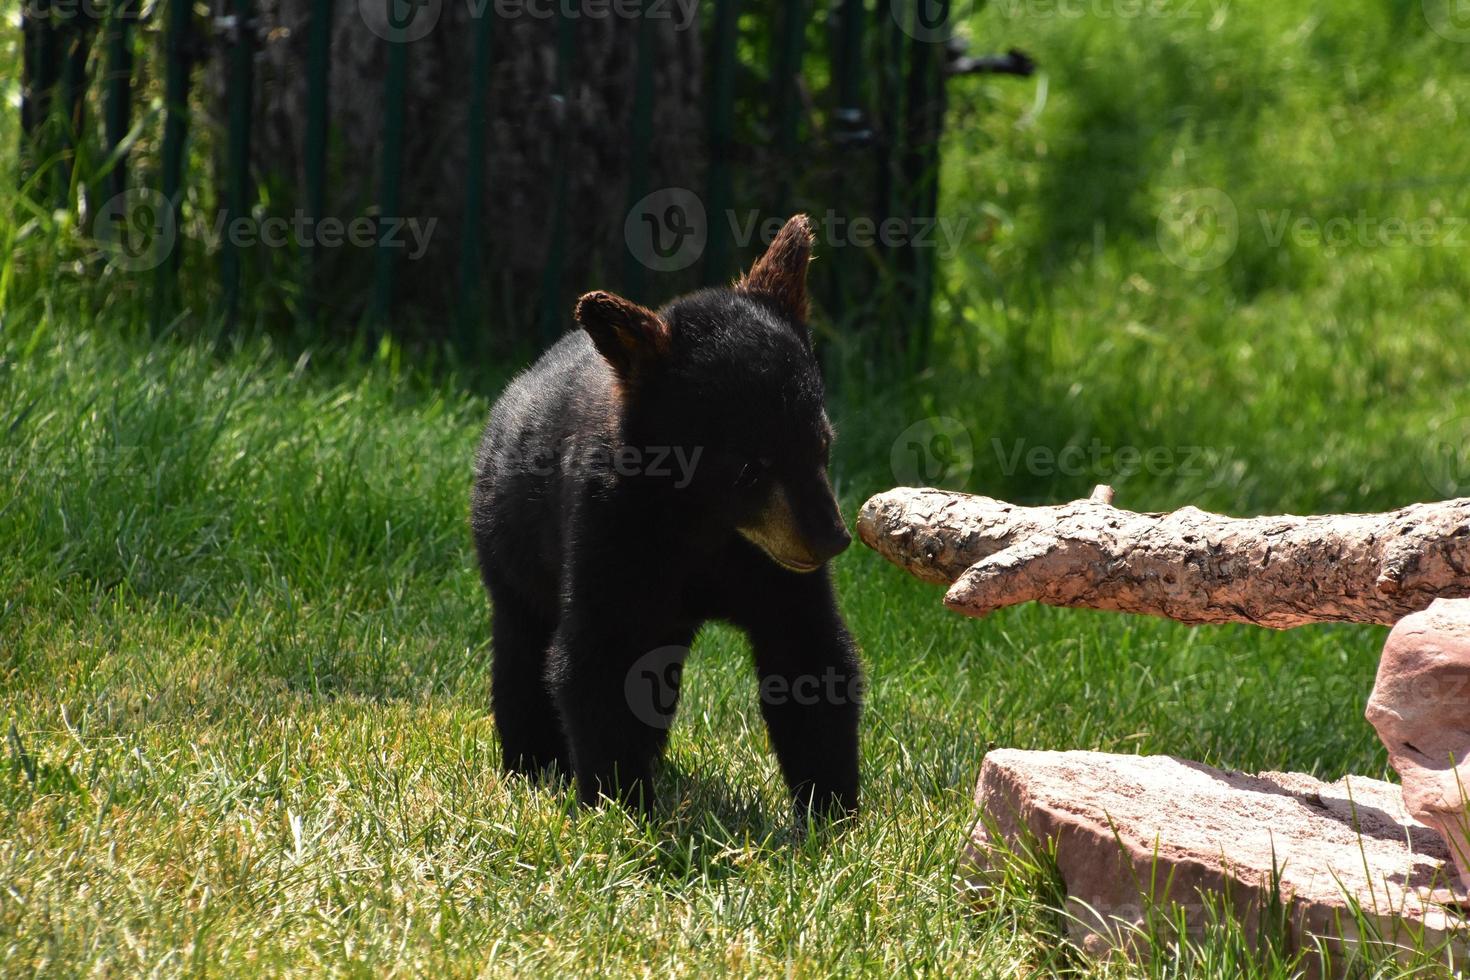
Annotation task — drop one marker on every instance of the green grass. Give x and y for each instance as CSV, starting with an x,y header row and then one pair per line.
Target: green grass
x,y
242,643
243,654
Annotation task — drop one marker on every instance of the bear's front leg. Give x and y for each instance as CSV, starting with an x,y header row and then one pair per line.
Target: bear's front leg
x,y
810,691
616,696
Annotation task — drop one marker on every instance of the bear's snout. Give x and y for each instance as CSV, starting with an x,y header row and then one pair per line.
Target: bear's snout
x,y
820,521
832,543
800,526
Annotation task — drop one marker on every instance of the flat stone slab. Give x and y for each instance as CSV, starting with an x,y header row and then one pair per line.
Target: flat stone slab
x,y
1125,828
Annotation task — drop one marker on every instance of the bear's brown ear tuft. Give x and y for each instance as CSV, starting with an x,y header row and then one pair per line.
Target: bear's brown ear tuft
x,y
629,336
781,272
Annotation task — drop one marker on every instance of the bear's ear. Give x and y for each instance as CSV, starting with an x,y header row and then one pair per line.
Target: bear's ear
x,y
781,272
631,337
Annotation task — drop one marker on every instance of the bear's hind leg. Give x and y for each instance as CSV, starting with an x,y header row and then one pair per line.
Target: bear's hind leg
x,y
531,737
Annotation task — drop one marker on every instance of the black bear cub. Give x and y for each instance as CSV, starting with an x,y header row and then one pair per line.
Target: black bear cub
x,y
652,471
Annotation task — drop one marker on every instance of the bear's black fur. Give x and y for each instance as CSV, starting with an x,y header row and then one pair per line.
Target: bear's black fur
x,y
652,471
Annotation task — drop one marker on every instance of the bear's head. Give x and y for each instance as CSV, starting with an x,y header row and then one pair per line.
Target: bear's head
x,y
726,381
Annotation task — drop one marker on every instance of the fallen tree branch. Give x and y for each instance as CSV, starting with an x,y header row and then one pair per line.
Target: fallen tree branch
x,y
1189,565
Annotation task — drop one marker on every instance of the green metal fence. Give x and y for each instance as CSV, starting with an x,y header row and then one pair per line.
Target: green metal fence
x,y
876,129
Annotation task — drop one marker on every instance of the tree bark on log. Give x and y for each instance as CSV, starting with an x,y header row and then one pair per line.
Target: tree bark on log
x,y
1188,565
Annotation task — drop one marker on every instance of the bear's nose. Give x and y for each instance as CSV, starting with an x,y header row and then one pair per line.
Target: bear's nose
x,y
831,542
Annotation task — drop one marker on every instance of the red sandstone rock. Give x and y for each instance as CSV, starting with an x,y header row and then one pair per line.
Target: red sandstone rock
x,y
1420,707
1128,827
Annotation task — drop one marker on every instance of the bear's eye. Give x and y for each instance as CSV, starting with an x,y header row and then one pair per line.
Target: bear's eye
x,y
752,471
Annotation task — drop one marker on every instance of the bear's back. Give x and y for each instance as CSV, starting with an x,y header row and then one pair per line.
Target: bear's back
x,y
562,401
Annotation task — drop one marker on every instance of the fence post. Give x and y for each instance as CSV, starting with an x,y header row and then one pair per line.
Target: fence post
x,y
924,129
848,69
38,81
551,314
76,36
786,58
37,37
237,196
721,140
318,119
119,90
849,280
640,139
888,134
175,128
56,45
395,97
470,273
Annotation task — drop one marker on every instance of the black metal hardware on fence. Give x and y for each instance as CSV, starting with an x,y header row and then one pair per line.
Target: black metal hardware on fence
x,y
867,144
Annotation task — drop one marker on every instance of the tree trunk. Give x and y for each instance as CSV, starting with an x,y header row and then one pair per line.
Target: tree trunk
x,y
1189,565
530,132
